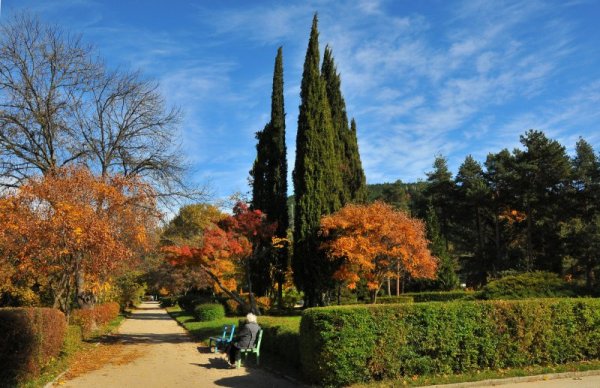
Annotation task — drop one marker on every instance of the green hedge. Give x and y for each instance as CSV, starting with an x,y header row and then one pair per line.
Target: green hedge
x,y
281,339
345,345
441,296
29,339
528,285
209,312
394,299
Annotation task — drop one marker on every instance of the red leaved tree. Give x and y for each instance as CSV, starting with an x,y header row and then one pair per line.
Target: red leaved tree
x,y
373,241
227,250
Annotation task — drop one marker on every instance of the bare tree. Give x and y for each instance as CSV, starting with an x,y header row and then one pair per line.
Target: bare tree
x,y
60,105
44,74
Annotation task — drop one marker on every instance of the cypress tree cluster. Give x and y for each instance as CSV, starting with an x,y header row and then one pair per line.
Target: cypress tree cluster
x,y
269,178
317,180
327,172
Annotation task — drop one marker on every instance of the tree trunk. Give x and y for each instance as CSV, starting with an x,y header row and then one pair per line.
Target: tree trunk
x,y
389,286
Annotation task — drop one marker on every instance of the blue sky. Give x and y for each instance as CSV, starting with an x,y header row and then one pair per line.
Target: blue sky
x,y
420,77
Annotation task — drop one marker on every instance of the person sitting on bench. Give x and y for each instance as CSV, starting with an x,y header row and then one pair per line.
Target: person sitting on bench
x,y
244,339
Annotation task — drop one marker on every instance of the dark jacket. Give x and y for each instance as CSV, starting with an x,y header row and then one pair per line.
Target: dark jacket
x,y
247,335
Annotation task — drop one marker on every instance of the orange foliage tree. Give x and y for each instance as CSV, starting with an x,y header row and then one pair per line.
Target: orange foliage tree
x,y
226,250
70,230
373,241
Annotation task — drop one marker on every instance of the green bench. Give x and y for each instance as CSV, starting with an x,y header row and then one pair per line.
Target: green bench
x,y
254,349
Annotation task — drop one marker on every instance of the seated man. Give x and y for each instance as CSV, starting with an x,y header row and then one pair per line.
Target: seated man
x,y
244,339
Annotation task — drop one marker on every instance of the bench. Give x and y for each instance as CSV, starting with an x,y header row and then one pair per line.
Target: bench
x,y
223,340
254,349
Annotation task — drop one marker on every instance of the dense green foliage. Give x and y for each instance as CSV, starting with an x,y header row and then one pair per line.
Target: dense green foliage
x,y
31,338
209,312
395,299
528,285
317,180
530,209
441,296
269,182
190,301
344,345
346,143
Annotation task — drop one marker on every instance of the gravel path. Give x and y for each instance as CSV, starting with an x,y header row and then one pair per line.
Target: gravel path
x,y
153,351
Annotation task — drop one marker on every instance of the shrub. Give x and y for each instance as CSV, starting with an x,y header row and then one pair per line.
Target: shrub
x,y
440,296
31,338
280,341
189,302
166,301
99,315
345,345
528,285
209,312
394,299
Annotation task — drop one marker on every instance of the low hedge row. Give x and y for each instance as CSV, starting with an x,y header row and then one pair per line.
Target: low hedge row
x,y
394,299
440,296
30,338
345,345
90,319
281,340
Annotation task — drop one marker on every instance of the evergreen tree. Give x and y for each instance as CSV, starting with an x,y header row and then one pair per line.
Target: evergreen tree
x,y
543,169
447,279
471,201
269,179
440,191
317,182
581,232
346,143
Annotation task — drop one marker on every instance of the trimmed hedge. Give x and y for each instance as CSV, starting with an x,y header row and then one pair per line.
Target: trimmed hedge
x,y
91,319
30,338
280,341
345,345
394,299
209,312
528,285
441,296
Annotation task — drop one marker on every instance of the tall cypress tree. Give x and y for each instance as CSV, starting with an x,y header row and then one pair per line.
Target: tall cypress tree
x,y
346,144
317,182
269,174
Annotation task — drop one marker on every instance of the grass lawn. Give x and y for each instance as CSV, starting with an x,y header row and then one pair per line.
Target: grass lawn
x,y
203,330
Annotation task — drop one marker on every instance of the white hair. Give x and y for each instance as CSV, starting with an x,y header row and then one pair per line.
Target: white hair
x,y
251,318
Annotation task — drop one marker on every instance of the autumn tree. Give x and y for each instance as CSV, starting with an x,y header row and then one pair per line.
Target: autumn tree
x,y
227,251
69,223
372,241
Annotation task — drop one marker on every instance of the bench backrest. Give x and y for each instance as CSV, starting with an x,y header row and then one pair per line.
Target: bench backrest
x,y
228,331
258,339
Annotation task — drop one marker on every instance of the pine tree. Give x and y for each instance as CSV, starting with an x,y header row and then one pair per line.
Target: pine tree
x,y
440,191
447,279
317,182
269,175
346,143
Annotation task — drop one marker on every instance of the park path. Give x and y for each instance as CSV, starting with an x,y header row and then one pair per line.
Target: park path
x,y
152,350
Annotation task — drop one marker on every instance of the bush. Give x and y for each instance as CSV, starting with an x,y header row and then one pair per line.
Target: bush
x,y
91,319
440,296
209,312
528,285
281,338
189,302
394,299
30,339
345,345
167,301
